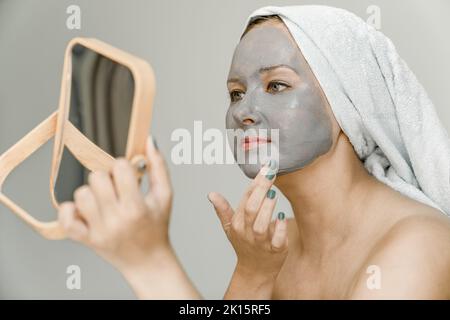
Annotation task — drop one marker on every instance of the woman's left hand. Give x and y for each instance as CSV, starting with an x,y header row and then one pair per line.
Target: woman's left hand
x,y
261,246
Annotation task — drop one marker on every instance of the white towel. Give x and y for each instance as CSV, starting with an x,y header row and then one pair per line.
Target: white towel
x,y
376,99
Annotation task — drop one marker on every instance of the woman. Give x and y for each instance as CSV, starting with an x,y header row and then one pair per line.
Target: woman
x,y
363,160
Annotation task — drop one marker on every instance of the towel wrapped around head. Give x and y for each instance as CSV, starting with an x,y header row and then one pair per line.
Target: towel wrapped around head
x,y
376,99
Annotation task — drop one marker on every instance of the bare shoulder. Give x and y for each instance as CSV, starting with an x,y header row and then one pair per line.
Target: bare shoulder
x,y
411,259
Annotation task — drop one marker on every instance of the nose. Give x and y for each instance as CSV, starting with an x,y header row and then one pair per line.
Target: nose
x,y
245,113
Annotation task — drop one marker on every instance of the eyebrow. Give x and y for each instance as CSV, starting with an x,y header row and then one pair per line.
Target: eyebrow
x,y
233,80
264,70
267,69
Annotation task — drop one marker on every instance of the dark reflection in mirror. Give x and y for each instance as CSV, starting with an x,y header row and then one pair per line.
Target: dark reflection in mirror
x,y
71,175
101,101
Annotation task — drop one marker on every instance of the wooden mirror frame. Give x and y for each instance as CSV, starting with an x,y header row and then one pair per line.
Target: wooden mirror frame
x,y
65,134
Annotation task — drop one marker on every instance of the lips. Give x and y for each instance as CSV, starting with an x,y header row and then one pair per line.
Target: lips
x,y
253,142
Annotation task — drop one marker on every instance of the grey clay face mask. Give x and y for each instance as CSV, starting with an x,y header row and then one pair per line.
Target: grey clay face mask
x,y
272,87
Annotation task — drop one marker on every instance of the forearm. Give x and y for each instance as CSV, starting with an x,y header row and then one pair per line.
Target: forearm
x,y
249,285
160,277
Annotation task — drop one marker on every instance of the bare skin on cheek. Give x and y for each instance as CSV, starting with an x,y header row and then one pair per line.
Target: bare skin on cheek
x,y
272,87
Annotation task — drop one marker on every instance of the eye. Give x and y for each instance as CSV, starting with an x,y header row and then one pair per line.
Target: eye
x,y
236,95
277,86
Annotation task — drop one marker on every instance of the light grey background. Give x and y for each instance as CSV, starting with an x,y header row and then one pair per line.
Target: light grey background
x,y
189,44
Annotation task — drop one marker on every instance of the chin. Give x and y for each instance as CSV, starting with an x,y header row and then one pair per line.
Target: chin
x,y
250,170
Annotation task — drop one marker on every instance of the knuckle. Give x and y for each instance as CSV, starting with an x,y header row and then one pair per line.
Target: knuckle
x,y
167,196
115,227
134,211
235,227
96,176
279,247
99,241
68,226
65,207
91,177
81,192
251,209
121,161
264,182
120,164
259,231
248,192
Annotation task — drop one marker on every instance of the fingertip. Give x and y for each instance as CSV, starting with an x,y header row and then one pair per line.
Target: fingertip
x,y
218,201
269,168
151,145
209,198
215,198
212,198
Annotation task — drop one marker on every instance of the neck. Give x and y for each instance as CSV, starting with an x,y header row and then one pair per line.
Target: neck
x,y
328,197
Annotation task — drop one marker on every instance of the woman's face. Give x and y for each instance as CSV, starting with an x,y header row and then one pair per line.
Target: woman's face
x,y
272,87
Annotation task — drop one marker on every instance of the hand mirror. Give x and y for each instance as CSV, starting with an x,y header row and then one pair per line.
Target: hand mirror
x,y
104,112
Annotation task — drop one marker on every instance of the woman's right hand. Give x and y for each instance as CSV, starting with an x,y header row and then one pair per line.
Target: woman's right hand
x,y
261,245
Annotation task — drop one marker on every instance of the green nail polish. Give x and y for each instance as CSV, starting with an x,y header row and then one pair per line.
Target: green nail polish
x,y
270,176
273,164
271,194
281,215
155,144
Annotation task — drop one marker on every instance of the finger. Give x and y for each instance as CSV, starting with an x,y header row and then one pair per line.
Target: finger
x,y
158,173
223,210
269,170
261,185
126,182
264,217
86,205
102,187
280,235
73,225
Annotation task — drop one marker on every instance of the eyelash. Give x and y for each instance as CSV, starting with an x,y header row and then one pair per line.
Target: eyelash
x,y
233,93
277,83
234,99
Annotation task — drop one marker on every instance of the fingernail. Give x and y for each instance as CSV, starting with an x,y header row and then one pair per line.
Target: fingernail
x,y
207,197
271,194
141,165
281,216
273,164
154,143
270,176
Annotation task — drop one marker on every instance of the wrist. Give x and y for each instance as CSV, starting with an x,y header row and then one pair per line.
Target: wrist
x,y
160,276
255,276
157,259
250,283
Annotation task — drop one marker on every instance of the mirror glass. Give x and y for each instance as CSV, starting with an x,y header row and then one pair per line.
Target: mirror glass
x,y
101,100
